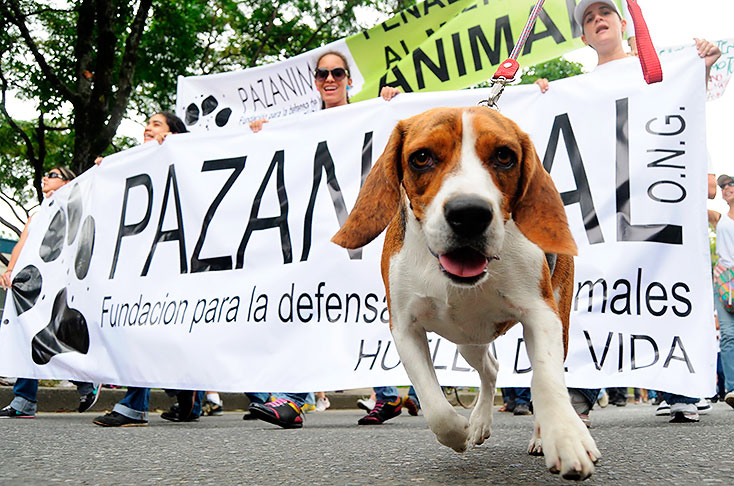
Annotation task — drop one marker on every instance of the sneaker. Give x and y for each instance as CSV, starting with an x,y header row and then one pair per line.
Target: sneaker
x,y
172,415
308,407
603,401
729,398
114,419
322,404
382,411
214,409
366,404
521,409
683,412
703,406
87,401
410,406
663,409
281,412
249,416
10,412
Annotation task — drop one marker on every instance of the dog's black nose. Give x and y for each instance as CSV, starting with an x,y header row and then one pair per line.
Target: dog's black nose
x,y
468,216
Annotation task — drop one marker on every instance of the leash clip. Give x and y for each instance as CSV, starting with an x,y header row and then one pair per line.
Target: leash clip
x,y
505,74
495,91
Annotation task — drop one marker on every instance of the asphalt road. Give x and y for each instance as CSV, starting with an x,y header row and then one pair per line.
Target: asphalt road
x,y
637,448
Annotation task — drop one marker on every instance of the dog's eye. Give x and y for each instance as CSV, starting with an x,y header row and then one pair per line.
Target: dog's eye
x,y
504,158
421,160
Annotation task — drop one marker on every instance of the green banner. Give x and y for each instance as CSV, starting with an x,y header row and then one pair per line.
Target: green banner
x,y
452,44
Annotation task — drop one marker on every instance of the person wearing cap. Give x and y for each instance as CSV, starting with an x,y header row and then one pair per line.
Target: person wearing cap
x,y
603,27
724,224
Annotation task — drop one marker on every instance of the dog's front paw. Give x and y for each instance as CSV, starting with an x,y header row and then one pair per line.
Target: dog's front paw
x,y
480,425
452,430
569,449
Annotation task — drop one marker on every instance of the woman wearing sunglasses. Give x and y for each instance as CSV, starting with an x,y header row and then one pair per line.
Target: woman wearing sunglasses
x,y
333,81
55,178
25,390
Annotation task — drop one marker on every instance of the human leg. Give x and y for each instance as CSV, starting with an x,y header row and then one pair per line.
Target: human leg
x,y
682,408
387,405
132,410
285,411
522,401
726,325
88,394
24,404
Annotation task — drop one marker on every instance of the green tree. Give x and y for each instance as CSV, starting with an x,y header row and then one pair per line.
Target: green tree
x,y
86,64
552,70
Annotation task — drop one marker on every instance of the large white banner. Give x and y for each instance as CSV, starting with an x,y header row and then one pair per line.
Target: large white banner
x,y
205,262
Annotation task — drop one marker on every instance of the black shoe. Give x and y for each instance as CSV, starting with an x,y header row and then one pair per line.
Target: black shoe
x,y
215,410
281,412
10,412
522,409
114,419
411,406
383,411
249,416
186,405
172,415
87,401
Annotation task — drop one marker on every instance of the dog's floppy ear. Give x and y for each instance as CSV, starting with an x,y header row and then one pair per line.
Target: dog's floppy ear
x,y
538,210
378,199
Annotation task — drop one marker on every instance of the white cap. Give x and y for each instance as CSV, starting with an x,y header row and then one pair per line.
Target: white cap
x,y
580,10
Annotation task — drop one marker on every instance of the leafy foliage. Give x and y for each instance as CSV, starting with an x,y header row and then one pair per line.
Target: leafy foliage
x,y
552,70
85,64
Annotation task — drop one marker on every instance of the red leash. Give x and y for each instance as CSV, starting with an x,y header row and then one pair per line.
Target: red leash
x,y
507,70
651,69
649,61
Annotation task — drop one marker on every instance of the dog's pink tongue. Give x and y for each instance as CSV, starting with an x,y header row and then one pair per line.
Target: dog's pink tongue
x,y
463,263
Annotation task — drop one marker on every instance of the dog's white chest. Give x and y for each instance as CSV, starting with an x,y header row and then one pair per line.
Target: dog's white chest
x,y
461,320
423,297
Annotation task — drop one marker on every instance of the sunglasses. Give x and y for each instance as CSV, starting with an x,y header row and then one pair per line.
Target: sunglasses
x,y
55,175
337,73
728,184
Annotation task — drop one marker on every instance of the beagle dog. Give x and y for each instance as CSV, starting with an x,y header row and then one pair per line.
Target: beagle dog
x,y
477,240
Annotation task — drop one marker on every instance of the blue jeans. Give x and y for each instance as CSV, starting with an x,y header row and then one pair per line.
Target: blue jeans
x,y
135,403
726,324
522,395
590,394
26,391
386,393
672,398
297,398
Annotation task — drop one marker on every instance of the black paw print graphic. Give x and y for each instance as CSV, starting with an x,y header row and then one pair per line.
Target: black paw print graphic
x,y
67,329
194,114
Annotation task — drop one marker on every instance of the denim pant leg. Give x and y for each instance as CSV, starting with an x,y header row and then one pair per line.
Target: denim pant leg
x,y
590,394
522,395
83,387
672,398
297,398
25,391
134,404
726,324
413,396
198,398
386,393
257,397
